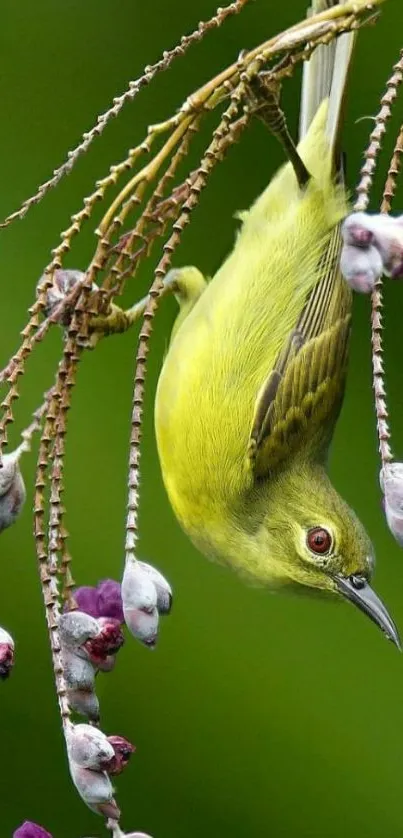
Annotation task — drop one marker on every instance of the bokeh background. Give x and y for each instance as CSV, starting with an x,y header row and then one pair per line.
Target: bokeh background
x,y
257,714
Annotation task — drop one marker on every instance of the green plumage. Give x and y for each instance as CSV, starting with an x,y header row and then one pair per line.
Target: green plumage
x,y
253,381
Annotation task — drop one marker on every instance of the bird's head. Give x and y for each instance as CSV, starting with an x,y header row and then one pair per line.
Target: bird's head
x,y
319,542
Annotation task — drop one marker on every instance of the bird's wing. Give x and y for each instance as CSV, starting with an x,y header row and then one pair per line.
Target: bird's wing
x,y
302,395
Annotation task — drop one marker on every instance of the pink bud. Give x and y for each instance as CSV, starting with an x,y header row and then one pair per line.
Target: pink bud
x,y
6,654
95,789
123,750
139,597
108,641
357,230
12,489
88,747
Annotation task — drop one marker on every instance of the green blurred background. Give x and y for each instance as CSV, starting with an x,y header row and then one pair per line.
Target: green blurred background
x,y
257,714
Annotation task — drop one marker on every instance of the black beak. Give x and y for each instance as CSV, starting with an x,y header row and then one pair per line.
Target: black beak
x,y
357,590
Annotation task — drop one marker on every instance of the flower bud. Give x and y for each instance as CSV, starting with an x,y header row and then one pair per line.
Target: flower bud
x,y
88,747
6,654
110,600
392,471
79,673
388,237
31,830
123,749
135,835
12,489
85,703
391,480
104,600
164,590
117,833
76,627
361,268
139,597
95,789
384,232
86,598
63,282
107,642
108,664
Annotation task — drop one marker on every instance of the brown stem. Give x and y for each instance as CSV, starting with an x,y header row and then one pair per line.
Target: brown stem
x,y
134,87
363,189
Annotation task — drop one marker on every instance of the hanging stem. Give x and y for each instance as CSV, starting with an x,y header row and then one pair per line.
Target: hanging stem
x,y
318,29
133,89
363,190
210,158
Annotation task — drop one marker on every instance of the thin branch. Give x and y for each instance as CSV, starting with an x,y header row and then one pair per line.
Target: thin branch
x,y
133,89
363,190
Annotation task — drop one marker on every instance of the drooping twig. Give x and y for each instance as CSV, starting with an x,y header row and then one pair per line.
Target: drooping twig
x,y
207,164
133,89
363,190
320,28
48,575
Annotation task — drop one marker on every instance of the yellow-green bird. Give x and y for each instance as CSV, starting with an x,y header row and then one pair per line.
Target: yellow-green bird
x,y
254,378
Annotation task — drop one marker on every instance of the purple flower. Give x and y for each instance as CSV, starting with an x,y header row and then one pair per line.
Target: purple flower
x,y
110,600
104,600
86,598
31,830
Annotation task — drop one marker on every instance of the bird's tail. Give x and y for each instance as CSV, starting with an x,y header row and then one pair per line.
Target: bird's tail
x,y
323,88
324,77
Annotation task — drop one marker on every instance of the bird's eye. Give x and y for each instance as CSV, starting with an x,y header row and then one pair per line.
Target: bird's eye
x,y
319,540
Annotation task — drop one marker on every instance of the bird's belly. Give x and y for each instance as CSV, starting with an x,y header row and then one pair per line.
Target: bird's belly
x,y
219,360
205,402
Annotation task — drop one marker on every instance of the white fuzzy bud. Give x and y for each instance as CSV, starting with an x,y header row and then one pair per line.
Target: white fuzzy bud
x,y
85,703
75,628
117,833
139,598
79,673
362,233
391,480
361,268
163,588
12,489
89,747
95,789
